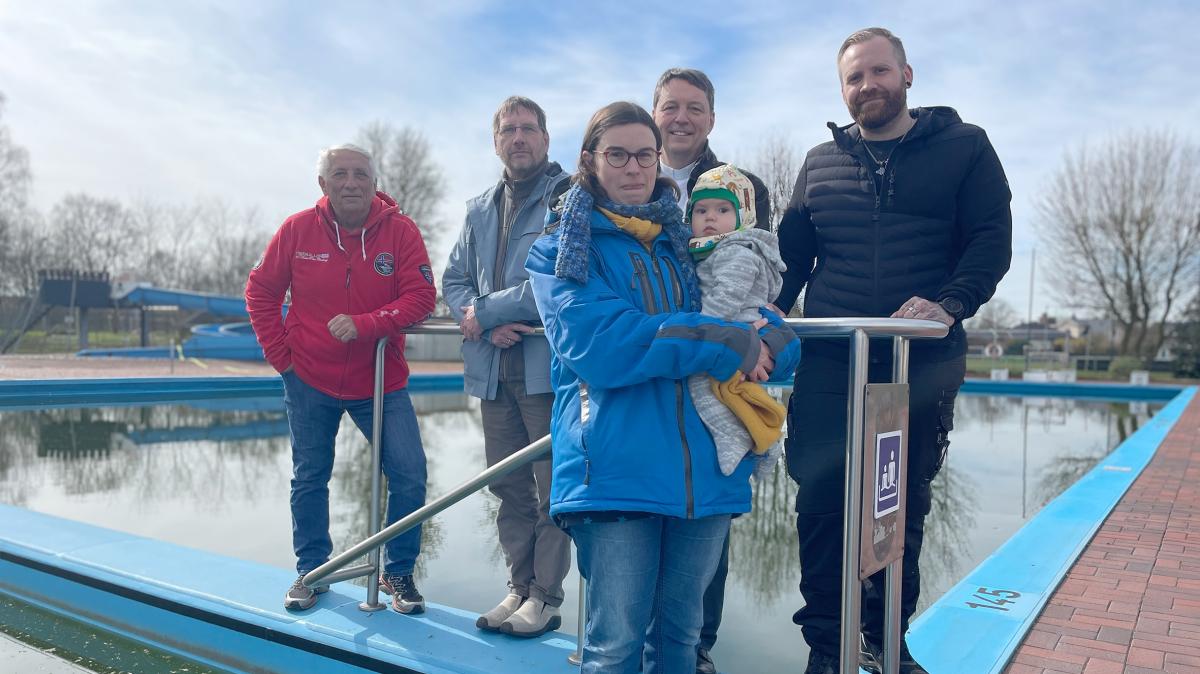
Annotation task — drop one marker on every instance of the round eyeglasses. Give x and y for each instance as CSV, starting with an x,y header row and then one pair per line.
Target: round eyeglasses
x,y
618,158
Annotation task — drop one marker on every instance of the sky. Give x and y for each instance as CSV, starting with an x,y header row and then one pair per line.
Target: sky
x,y
174,102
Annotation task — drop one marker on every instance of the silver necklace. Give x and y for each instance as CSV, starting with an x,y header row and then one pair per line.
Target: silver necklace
x,y
883,164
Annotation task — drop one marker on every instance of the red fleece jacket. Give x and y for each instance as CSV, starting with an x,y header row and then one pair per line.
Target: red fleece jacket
x,y
379,276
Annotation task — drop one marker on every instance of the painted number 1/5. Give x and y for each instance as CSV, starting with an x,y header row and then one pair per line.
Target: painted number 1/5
x,y
994,599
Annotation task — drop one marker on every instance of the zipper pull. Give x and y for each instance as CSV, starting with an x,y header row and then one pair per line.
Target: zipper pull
x,y
347,275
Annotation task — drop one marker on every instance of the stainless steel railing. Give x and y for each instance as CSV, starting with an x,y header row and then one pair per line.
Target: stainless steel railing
x,y
858,330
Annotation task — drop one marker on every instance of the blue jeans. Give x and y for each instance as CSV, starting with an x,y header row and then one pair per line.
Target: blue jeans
x,y
646,580
313,419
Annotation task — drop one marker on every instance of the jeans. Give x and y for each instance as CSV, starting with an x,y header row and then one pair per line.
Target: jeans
x,y
313,419
646,580
714,601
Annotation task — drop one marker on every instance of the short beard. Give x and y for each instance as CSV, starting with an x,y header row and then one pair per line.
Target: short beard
x,y
521,174
893,105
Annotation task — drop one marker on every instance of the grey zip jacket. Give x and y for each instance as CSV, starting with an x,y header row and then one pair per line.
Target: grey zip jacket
x,y
742,274
471,278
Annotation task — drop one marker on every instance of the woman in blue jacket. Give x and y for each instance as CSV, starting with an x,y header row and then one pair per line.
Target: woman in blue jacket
x,y
636,480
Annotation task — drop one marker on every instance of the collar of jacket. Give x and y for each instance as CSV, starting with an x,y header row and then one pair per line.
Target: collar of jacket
x,y
382,206
929,121
541,190
707,160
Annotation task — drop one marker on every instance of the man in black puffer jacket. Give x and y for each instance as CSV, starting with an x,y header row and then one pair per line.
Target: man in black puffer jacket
x,y
905,213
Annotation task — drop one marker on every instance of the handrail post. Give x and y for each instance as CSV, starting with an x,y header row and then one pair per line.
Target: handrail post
x,y
576,658
894,597
372,602
852,507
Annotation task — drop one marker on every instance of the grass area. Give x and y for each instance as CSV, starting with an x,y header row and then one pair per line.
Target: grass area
x,y
982,367
38,342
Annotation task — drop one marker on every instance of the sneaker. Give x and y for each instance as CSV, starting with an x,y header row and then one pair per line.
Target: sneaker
x,y
533,619
704,663
299,597
405,596
491,620
822,663
870,658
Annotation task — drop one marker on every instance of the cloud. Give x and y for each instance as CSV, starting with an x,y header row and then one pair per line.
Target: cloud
x,y
232,99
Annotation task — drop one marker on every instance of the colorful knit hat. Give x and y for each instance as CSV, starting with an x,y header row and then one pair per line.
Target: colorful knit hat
x,y
726,182
721,182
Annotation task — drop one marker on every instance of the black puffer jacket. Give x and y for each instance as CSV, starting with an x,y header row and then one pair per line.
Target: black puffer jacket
x,y
939,227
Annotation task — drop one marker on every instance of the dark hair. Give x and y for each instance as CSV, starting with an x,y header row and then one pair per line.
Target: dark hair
x,y
693,77
867,34
511,105
619,113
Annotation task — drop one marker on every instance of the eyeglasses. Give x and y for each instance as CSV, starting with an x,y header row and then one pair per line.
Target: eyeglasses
x,y
618,158
508,131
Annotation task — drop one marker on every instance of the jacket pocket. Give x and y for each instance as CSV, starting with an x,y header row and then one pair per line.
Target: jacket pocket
x,y
641,279
676,286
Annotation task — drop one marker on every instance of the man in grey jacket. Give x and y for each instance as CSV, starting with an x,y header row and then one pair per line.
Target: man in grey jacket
x,y
507,367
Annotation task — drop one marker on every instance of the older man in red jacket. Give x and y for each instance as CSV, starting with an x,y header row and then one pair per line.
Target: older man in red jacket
x,y
357,270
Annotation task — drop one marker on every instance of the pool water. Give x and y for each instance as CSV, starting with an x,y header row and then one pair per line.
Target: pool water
x,y
215,476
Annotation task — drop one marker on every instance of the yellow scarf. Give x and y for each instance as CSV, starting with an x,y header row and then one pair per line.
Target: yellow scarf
x,y
644,231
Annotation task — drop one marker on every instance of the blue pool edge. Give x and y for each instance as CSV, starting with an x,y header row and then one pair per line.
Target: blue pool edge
x,y
968,629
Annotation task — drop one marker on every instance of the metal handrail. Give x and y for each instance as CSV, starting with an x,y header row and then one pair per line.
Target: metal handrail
x,y
528,454
912,328
859,330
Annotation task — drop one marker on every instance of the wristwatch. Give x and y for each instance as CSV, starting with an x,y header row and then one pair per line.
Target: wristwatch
x,y
954,307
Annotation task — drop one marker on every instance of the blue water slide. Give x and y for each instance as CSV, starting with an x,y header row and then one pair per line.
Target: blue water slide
x,y
217,305
230,341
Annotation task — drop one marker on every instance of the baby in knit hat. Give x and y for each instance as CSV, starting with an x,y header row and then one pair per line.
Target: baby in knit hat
x,y
739,268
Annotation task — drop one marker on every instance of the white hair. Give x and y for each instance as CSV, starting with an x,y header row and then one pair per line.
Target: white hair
x,y
325,158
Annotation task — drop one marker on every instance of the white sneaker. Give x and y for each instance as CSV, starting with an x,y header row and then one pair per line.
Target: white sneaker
x,y
492,619
533,619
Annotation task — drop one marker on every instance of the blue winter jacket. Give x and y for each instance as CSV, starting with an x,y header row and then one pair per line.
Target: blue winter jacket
x,y
626,434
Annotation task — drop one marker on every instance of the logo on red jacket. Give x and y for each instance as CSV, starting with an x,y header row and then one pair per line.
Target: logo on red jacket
x,y
427,273
385,264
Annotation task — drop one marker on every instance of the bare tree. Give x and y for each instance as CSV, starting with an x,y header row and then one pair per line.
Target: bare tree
x,y
15,176
1123,225
207,245
15,179
996,314
92,234
407,171
778,164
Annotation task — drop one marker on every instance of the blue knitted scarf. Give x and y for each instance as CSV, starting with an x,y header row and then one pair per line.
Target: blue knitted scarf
x,y
575,234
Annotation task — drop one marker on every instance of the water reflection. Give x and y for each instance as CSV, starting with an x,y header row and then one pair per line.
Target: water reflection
x,y
215,476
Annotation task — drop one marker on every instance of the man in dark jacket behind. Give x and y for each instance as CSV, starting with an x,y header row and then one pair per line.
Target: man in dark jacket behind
x,y
905,213
683,111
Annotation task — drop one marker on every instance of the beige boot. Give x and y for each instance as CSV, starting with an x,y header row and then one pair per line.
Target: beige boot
x,y
492,619
533,619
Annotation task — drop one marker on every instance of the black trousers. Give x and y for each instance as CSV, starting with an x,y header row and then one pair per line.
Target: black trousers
x,y
816,460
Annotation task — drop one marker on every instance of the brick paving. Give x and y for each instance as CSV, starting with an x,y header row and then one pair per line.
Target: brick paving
x,y
1131,602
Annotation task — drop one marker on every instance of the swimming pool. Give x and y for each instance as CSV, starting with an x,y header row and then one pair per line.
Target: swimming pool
x,y
214,475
